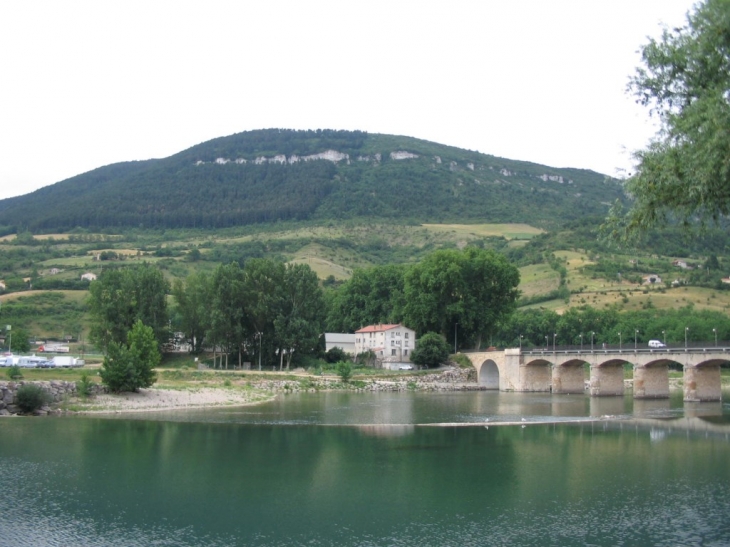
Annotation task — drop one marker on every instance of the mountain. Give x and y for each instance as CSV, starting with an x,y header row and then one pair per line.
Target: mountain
x,y
276,174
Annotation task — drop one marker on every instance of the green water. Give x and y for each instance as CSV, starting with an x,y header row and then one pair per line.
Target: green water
x,y
349,469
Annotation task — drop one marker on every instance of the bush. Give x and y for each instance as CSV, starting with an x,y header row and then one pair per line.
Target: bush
x,y
129,367
344,369
431,351
335,355
31,397
14,373
83,386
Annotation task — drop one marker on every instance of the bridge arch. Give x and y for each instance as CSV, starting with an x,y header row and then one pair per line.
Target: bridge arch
x,y
488,374
569,376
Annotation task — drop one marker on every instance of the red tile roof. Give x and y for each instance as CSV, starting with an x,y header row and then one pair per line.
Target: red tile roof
x,y
377,328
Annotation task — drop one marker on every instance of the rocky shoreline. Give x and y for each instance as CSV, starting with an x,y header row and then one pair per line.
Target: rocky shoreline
x,y
64,396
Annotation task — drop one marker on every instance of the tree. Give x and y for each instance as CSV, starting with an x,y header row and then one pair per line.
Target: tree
x,y
193,307
21,341
119,298
372,295
227,311
431,350
130,366
298,324
474,288
685,80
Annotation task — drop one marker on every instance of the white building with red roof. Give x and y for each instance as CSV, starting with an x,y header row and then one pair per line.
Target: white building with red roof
x,y
390,342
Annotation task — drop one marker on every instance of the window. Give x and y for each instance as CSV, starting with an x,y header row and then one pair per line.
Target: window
x,y
392,352
405,352
392,342
406,343
406,335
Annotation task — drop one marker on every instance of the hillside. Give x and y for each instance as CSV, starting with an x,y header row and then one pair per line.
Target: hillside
x,y
278,175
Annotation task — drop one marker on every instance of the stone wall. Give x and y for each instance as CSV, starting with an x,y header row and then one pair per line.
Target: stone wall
x,y
57,390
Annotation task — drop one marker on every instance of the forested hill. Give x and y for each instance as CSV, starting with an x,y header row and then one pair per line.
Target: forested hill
x,y
276,174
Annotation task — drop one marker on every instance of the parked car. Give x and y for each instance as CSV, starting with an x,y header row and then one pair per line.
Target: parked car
x,y
657,344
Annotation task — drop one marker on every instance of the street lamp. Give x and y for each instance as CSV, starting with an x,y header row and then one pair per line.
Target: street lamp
x,y
592,335
259,334
715,331
520,342
10,341
581,342
636,334
620,345
554,335
455,325
546,342
686,330
664,337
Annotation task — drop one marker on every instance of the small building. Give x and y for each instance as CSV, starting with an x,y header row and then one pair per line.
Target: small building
x,y
652,279
726,279
344,341
88,276
391,342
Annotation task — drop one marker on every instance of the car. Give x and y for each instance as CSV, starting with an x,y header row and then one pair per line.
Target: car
x,y
405,367
657,344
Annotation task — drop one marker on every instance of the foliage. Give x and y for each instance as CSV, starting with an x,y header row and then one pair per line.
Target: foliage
x,y
193,297
474,288
431,350
83,386
344,370
371,295
336,355
129,367
685,80
31,397
120,298
14,373
20,341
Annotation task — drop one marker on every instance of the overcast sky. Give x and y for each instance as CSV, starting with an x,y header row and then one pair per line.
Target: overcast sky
x,y
89,83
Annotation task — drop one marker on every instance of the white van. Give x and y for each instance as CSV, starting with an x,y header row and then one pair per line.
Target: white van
x,y
657,344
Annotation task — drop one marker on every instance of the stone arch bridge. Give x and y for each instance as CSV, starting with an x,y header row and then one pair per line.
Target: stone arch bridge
x,y
563,371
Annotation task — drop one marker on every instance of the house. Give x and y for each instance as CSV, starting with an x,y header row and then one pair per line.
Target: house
x,y
54,271
680,264
726,279
391,342
344,341
652,279
88,276
2,285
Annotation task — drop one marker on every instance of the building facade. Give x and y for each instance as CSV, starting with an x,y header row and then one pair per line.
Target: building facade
x,y
391,342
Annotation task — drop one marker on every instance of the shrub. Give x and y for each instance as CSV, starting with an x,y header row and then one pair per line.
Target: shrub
x,y
31,397
83,386
14,373
336,355
344,369
431,351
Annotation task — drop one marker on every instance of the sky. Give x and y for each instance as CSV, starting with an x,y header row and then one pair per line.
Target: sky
x,y
86,83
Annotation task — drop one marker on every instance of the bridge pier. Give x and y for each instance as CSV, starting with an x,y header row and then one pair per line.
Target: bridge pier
x,y
569,378
702,383
651,382
607,379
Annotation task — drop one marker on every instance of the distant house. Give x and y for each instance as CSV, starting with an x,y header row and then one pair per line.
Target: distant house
x,y
2,285
726,279
344,341
88,276
652,279
680,264
54,271
391,342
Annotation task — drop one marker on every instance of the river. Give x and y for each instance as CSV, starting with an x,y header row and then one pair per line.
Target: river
x,y
351,469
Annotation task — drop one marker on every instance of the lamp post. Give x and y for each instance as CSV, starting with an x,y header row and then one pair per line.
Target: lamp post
x,y
664,337
520,342
592,335
686,330
620,344
581,342
715,332
10,339
455,325
546,342
259,334
554,335
636,334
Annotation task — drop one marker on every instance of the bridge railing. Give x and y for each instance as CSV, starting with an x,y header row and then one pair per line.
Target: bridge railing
x,y
704,347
